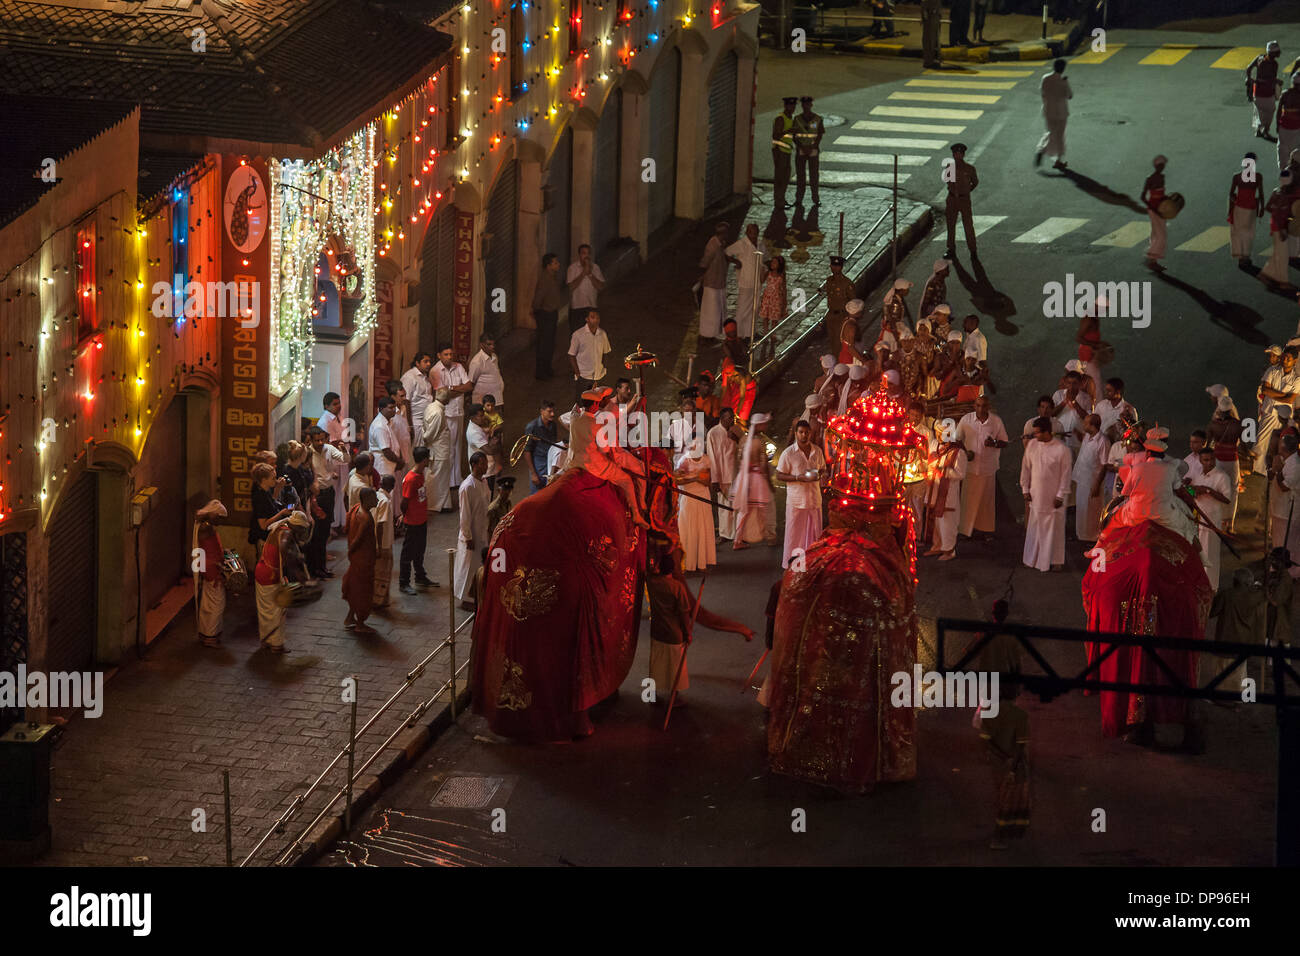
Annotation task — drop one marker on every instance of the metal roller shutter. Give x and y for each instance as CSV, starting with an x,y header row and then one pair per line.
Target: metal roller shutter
x,y
499,271
73,581
164,544
559,179
664,85
721,164
436,279
604,193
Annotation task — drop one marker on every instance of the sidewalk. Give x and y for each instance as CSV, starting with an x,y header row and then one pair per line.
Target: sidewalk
x,y
1010,36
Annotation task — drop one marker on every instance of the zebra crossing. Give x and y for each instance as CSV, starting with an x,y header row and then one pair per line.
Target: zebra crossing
x,y
1174,54
1128,236
917,123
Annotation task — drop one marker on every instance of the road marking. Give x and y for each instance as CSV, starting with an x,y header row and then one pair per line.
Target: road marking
x,y
944,97
965,84
847,177
1238,58
888,127
1167,55
1050,229
1211,240
982,224
925,112
891,142
1016,73
1102,57
1126,236
872,159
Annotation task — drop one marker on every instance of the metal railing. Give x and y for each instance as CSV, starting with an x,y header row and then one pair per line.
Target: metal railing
x,y
756,343
349,751
821,20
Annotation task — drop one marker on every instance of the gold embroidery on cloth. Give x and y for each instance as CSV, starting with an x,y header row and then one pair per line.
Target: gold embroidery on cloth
x,y
530,593
603,552
506,521
628,594
514,694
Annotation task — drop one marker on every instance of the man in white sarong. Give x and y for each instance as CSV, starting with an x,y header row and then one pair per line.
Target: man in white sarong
x,y
451,375
209,583
692,470
1279,386
802,467
750,255
1213,492
1089,469
948,469
983,435
473,534
1045,483
722,446
751,492
713,284
418,390
1149,486
437,438
335,432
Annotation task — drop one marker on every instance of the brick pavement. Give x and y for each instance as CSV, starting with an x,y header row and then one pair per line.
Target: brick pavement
x,y
125,785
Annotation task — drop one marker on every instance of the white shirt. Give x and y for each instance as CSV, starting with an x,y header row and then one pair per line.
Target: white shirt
x,y
485,373
1068,417
381,437
977,339
1045,474
476,439
1093,452
401,430
590,351
1193,467
325,463
583,295
802,494
1055,90
1057,428
1111,412
474,501
972,432
447,378
747,274
1276,378
383,515
418,393
333,427
722,452
1214,508
1291,475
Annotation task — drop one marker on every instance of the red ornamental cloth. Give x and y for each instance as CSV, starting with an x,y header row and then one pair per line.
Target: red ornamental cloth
x,y
359,578
844,627
1154,583
557,627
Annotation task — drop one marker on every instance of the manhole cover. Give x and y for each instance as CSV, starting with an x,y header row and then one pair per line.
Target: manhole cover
x,y
466,792
832,120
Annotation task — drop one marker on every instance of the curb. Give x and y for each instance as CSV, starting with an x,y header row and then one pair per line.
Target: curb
x,y
401,754
1047,49
866,282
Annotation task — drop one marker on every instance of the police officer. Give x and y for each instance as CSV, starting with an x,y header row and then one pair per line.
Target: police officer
x,y
782,147
808,133
962,180
1262,87
839,292
931,14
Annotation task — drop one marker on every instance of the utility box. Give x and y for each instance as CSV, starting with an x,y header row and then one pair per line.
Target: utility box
x,y
25,791
142,504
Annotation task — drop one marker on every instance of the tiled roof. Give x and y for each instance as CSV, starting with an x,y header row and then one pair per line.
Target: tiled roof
x,y
278,71
40,128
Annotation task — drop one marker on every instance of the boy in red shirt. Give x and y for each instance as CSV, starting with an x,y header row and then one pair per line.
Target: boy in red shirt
x,y
415,513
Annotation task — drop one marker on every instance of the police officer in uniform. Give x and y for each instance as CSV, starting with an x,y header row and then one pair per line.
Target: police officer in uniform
x,y
808,133
931,13
782,147
1262,87
839,292
963,181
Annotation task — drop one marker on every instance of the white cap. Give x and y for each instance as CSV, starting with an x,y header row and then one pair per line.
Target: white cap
x,y
857,373
840,369
854,306
812,401
941,265
954,336
1273,350
923,324
892,377
1074,365
902,285
942,309
828,361
1225,404
759,418
1217,391
905,335
213,509
1273,47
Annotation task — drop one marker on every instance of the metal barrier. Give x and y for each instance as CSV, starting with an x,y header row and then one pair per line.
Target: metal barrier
x,y
345,791
756,344
819,20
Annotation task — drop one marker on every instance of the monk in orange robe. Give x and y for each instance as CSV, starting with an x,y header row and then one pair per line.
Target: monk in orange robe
x,y
359,579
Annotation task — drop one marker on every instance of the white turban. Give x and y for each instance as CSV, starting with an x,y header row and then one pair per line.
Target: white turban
x,y
923,324
828,361
972,351
1217,391
857,373
213,509
942,309
892,377
940,265
841,369
812,401
954,336
855,307
902,285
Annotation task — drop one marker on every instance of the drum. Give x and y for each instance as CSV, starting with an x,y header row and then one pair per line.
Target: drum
x,y
233,572
1171,205
296,592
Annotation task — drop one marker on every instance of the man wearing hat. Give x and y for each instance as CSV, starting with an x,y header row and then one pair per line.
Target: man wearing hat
x,y
894,307
209,583
1276,271
839,291
1150,486
931,17
828,365
808,133
591,448
849,332
1262,86
1288,122
936,288
962,180
782,147
1245,206
1280,385
941,323
1153,194
858,383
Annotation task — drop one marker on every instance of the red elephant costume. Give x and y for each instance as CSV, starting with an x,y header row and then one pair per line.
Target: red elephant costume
x,y
846,623
1153,582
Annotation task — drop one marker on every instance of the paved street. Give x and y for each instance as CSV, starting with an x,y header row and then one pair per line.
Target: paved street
x,y
699,793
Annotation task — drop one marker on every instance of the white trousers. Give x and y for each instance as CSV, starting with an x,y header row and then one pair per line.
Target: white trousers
x,y
1159,228
1210,554
977,504
713,307
1265,106
664,661
726,519
1053,141
945,525
1243,231
456,426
